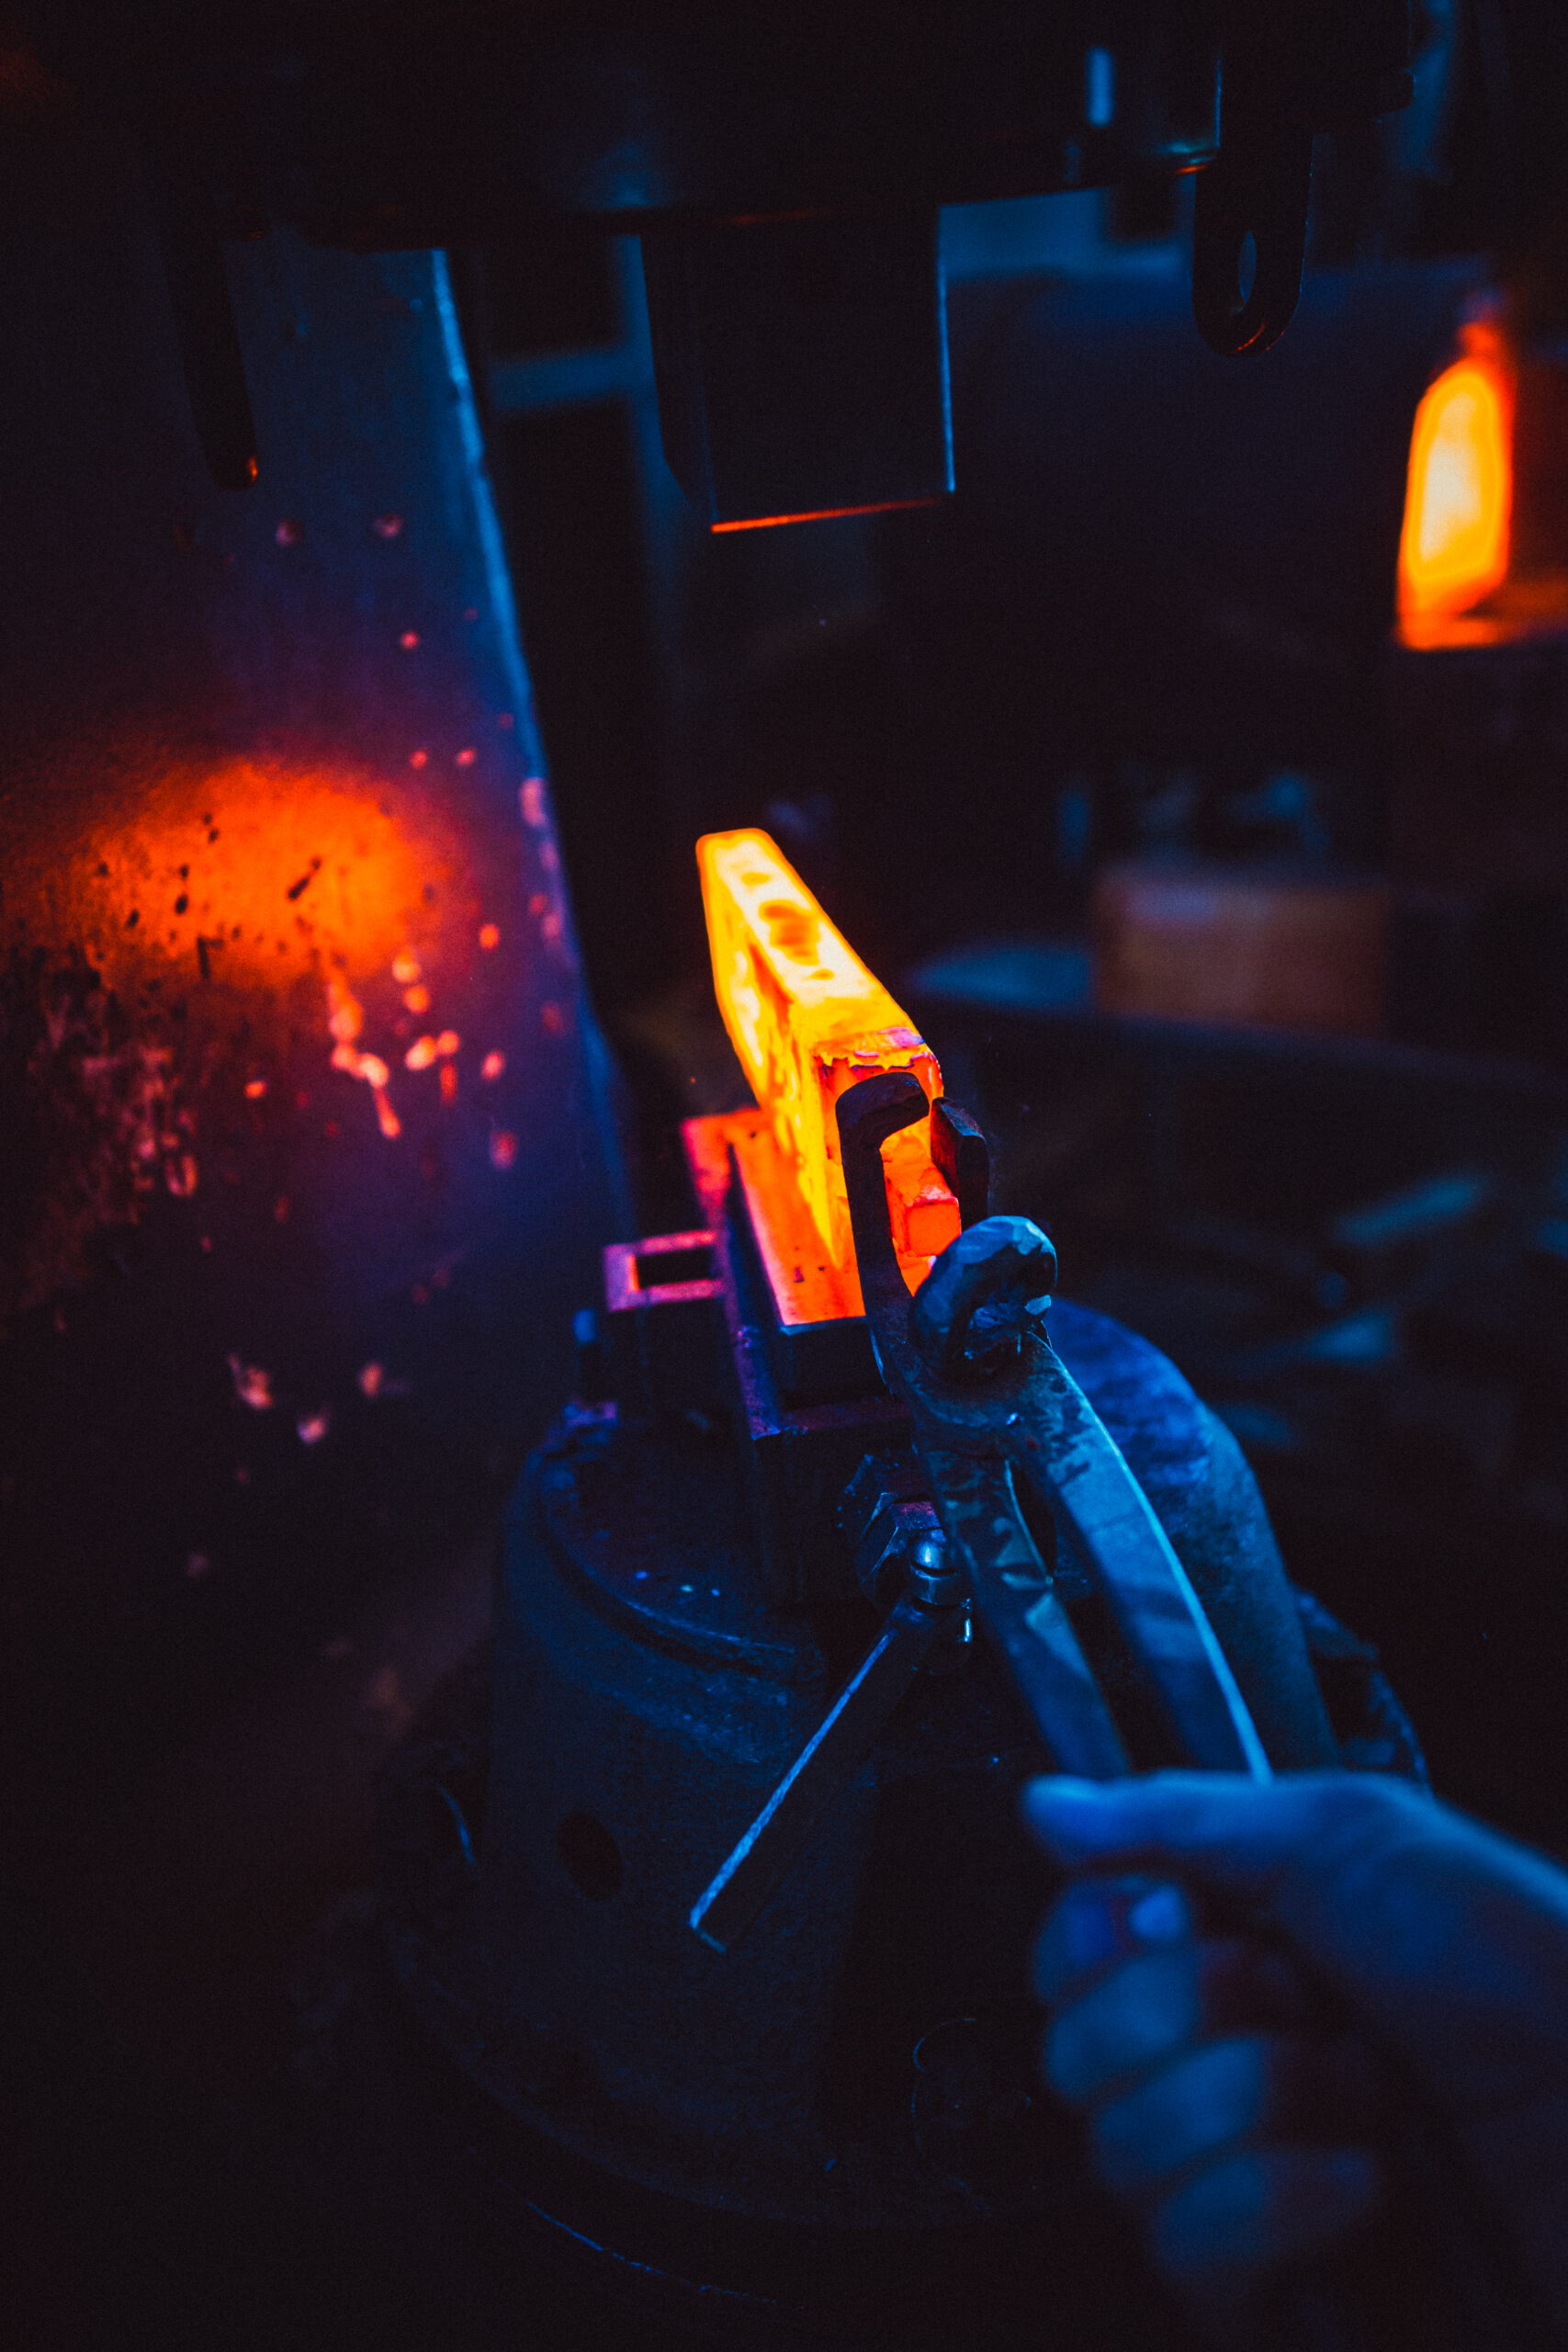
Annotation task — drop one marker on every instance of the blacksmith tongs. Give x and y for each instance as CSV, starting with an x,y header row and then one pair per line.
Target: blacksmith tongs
x,y
988,1396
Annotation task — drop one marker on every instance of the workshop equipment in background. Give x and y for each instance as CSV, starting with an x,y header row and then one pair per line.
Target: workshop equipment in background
x,y
786,169
831,2133
1195,942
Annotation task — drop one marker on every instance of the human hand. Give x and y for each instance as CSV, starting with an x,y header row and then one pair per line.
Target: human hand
x,y
1226,2098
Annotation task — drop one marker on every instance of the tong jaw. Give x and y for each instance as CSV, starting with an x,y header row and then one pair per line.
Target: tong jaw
x,y
978,1321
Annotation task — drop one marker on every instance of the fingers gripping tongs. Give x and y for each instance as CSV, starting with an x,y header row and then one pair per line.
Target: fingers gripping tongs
x,y
988,1399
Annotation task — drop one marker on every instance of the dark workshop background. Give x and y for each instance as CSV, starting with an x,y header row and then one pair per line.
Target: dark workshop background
x,y
1153,629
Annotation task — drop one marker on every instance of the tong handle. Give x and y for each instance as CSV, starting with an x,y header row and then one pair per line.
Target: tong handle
x,y
770,1848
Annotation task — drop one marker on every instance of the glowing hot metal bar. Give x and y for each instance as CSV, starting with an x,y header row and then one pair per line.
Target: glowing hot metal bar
x,y
808,1020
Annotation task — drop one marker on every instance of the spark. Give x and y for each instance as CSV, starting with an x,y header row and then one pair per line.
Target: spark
x,y
344,1017
253,1386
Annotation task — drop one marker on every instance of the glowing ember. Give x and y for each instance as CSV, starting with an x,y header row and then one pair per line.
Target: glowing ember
x,y
253,1386
502,1147
409,639
493,1066
345,1020
387,527
371,1377
490,936
181,1174
311,1428
255,1088
808,1019
466,757
448,1043
449,1082
417,998
421,1054
406,969
345,1015
419,759
1453,549
532,796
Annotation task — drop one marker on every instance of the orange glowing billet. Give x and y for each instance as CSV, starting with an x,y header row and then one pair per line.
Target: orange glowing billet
x,y
808,1020
1453,549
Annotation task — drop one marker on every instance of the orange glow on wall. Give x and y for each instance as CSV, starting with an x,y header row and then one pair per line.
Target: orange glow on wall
x,y
218,924
252,878
808,1019
1454,547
